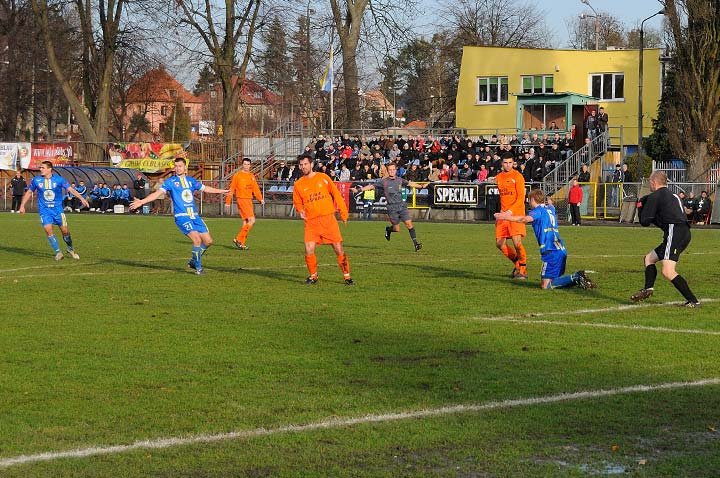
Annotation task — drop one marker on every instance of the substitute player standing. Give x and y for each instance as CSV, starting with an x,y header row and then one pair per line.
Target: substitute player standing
x,y
50,196
511,186
665,210
181,188
316,198
392,186
552,248
244,186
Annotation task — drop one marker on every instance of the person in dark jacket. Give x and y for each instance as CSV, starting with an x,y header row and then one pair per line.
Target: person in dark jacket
x,y
18,186
665,210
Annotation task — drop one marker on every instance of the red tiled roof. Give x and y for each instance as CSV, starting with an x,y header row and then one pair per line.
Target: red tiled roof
x,y
156,86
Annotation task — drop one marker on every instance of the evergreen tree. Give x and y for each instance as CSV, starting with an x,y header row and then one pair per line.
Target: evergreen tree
x,y
274,71
657,145
205,81
181,119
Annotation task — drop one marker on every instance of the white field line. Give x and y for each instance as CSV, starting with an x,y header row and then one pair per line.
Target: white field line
x,y
331,423
519,318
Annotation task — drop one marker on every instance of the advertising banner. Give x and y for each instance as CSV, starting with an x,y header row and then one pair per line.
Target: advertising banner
x,y
145,157
60,154
450,195
14,156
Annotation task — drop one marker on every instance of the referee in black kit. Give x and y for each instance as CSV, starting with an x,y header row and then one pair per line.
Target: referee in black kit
x,y
665,210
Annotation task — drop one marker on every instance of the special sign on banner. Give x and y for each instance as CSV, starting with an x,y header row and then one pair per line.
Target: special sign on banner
x,y
455,195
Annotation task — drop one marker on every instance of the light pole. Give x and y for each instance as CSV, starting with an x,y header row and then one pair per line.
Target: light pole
x,y
308,81
640,87
597,27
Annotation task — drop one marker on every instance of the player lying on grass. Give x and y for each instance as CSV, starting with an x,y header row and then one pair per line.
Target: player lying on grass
x,y
553,254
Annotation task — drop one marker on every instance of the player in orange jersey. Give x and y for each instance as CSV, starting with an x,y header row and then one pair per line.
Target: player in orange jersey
x,y
244,186
511,186
316,198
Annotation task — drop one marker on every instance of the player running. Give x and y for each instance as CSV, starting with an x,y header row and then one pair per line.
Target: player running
x,y
552,248
511,186
50,188
181,187
244,186
316,198
391,187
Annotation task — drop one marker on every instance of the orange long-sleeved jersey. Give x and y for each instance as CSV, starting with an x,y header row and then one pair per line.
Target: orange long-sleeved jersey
x,y
243,186
511,185
317,195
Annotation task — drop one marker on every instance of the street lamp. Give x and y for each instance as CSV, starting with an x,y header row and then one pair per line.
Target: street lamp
x,y
640,87
597,27
308,82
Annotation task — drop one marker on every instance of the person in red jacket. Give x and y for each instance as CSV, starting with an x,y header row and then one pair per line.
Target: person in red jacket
x,y
575,196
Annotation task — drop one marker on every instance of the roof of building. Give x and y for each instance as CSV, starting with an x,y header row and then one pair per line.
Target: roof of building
x,y
158,86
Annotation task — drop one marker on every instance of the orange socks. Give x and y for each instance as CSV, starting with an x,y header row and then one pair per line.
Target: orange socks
x,y
344,265
522,259
311,262
242,235
509,253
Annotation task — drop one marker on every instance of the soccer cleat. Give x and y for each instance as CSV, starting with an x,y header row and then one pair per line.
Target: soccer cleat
x,y
200,271
74,254
311,280
191,264
240,245
583,281
520,275
349,281
387,234
418,246
59,256
641,295
692,305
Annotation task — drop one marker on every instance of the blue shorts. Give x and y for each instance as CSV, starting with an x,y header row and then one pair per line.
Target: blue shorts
x,y
53,217
187,225
553,264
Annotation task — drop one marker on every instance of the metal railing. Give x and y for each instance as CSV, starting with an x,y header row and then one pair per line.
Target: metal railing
x,y
571,166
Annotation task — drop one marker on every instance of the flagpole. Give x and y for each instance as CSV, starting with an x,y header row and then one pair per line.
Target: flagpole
x,y
332,97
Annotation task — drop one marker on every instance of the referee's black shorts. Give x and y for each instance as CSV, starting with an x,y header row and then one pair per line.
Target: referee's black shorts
x,y
676,240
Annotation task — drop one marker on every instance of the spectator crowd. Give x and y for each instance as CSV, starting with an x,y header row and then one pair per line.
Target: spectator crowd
x,y
442,158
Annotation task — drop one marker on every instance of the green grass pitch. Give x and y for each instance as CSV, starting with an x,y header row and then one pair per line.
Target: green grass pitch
x,y
127,345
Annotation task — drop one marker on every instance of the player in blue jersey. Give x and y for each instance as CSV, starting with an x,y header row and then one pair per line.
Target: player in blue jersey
x,y
553,254
50,195
181,187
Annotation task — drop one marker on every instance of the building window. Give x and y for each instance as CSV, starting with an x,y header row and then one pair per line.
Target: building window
x,y
187,109
492,89
608,86
173,93
161,127
537,84
164,110
213,94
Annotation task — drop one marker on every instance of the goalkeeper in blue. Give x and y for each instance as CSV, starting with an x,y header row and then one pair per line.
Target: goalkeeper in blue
x,y
543,218
50,193
181,187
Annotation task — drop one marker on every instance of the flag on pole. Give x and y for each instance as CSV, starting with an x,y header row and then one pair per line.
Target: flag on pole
x,y
326,83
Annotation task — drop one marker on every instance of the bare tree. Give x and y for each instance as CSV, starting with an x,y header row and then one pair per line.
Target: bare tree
x,y
226,31
611,32
99,43
693,112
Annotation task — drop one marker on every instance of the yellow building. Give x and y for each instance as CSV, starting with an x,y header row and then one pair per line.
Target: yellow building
x,y
510,89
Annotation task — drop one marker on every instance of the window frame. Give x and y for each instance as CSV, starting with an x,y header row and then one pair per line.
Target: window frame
x,y
613,83
500,82
543,84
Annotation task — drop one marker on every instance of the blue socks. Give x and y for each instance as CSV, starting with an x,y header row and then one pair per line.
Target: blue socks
x,y
54,243
197,252
564,281
204,248
68,241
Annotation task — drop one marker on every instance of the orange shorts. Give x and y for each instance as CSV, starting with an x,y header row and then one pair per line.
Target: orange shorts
x,y
507,229
245,208
322,230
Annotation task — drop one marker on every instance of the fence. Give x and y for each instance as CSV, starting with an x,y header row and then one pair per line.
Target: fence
x,y
600,200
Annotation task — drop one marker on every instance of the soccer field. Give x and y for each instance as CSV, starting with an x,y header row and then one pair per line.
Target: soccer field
x,y
436,363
